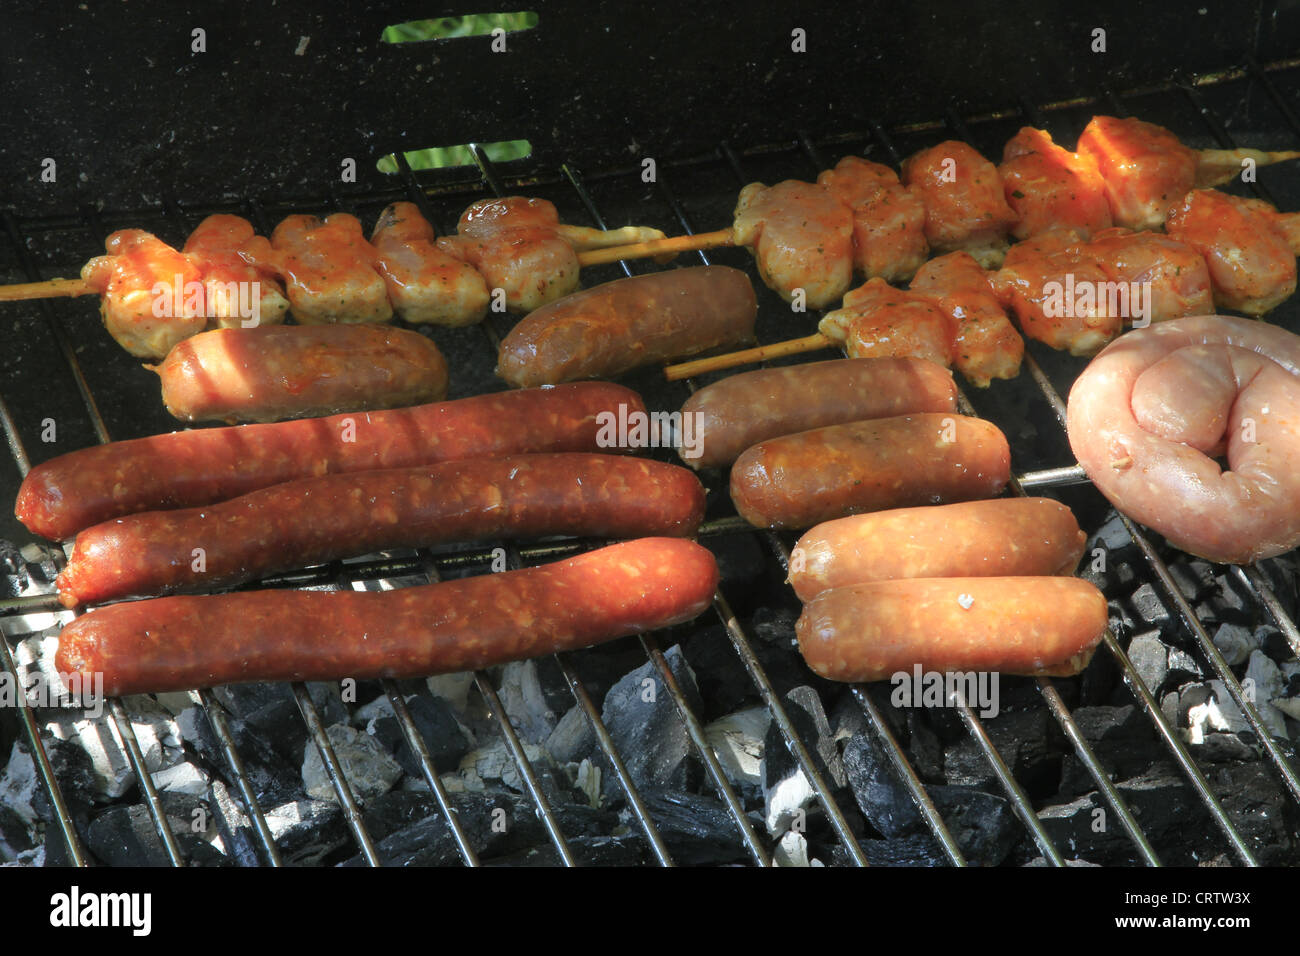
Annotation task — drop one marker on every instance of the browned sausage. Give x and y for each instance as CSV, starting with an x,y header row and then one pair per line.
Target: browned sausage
x,y
814,476
318,519
177,643
269,373
621,325
74,491
1045,626
1002,537
745,409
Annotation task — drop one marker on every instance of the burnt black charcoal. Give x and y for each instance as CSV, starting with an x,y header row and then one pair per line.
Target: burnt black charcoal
x,y
741,561
724,683
1231,603
587,850
125,835
443,737
1149,606
917,850
774,626
306,830
698,830
13,571
271,710
233,825
1150,659
1030,743
804,708
1182,667
1282,579
1114,537
1121,741
884,799
923,746
525,702
1194,577
1101,681
1273,642
1121,619
648,732
983,824
15,835
273,777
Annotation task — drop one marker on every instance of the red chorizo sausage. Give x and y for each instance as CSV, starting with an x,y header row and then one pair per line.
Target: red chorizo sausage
x,y
607,330
270,373
182,469
1043,626
814,476
745,409
1002,537
177,643
318,519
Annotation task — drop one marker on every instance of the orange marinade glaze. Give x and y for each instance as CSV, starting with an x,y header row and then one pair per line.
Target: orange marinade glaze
x,y
1050,187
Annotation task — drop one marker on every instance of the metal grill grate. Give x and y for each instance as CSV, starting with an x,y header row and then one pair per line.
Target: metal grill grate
x,y
799,159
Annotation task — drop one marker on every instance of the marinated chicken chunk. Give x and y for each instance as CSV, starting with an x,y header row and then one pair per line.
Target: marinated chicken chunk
x,y
801,236
965,207
228,281
150,293
985,344
328,269
425,284
888,219
1050,187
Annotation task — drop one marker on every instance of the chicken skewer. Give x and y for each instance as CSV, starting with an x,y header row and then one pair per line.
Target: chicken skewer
x,y
1125,172
1220,250
154,296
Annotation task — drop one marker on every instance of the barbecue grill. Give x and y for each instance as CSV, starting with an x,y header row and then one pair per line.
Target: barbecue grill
x,y
717,98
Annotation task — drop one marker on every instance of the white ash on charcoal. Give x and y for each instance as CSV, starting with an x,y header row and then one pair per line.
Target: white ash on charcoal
x,y
737,742
18,818
792,850
573,738
367,767
157,734
1150,659
493,766
787,792
1182,667
724,681
647,729
271,711
524,701
455,689
306,831
232,825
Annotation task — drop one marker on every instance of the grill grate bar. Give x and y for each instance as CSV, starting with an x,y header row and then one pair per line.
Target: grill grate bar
x,y
221,727
1220,134
342,789
1098,772
607,747
1258,74
1178,748
525,768
1019,799
122,722
696,732
416,742
908,775
1254,578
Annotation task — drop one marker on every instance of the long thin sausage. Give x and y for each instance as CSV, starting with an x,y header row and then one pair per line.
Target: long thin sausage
x,y
275,372
1043,626
607,330
801,480
1002,537
743,410
178,643
318,519
182,469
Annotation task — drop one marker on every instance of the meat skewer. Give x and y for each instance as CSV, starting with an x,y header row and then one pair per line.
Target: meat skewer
x,y
332,273
1223,250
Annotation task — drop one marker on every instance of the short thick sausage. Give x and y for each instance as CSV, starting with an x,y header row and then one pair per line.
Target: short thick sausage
x,y
74,491
1044,626
745,409
621,325
307,522
178,643
271,373
814,476
1003,537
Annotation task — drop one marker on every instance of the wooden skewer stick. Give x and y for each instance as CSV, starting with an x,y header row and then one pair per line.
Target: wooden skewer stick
x,y
1214,167
714,363
49,289
669,247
